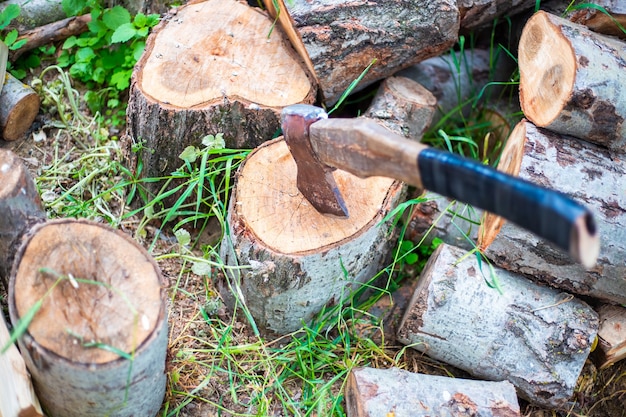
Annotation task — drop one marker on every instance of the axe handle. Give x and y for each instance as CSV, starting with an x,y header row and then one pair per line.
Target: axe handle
x,y
364,148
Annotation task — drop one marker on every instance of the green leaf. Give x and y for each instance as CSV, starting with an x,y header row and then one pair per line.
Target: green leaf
x,y
65,59
17,45
143,32
99,75
123,33
138,49
189,154
115,17
69,42
22,325
153,19
85,55
183,237
140,20
121,79
411,258
81,71
11,37
73,7
214,142
9,13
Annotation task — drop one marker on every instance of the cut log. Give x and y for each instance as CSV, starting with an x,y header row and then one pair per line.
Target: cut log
x,y
571,80
396,34
374,392
403,106
611,336
587,173
98,294
600,22
52,32
20,206
17,397
457,80
533,336
19,105
438,217
477,13
34,13
295,260
211,68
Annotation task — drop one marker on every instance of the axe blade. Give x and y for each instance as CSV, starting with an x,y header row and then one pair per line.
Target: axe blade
x,y
314,179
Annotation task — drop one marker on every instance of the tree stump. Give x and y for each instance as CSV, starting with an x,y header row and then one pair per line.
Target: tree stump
x,y
395,33
286,260
587,173
533,336
20,206
403,106
213,67
98,293
571,80
611,336
19,105
388,392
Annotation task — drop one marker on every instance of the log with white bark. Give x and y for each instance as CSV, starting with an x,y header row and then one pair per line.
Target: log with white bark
x,y
19,105
480,13
340,39
373,392
17,397
20,206
533,336
611,336
286,261
598,21
571,80
211,68
403,106
97,342
591,176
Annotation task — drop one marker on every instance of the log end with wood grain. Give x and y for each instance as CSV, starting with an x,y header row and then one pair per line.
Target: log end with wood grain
x,y
19,105
97,341
611,336
212,67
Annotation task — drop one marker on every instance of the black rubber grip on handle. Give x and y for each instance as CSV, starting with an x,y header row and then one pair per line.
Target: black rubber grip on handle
x,y
547,213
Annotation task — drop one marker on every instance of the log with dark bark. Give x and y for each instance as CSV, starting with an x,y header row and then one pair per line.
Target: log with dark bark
x,y
17,397
403,106
534,336
34,13
611,336
20,206
480,13
373,392
19,105
587,173
600,22
212,67
52,32
571,80
95,293
340,39
295,260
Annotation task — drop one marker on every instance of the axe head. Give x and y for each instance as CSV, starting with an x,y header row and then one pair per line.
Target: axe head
x,y
315,179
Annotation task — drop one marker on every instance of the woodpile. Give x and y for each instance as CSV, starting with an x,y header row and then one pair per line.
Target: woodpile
x,y
96,339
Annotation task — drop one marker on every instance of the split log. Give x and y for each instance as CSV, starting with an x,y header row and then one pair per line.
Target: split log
x,y
479,13
96,293
587,173
295,261
611,336
17,397
374,392
533,336
20,206
19,105
211,68
403,106
600,22
52,32
570,80
396,34
457,79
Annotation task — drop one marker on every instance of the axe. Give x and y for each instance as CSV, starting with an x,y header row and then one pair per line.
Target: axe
x,y
364,148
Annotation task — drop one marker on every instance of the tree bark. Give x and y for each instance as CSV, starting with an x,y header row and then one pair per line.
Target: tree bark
x,y
477,13
587,173
533,336
611,337
34,13
52,32
383,392
17,397
99,291
20,206
577,91
395,33
294,260
19,105
403,106
599,22
210,68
